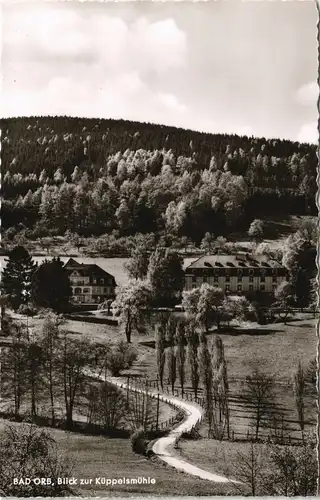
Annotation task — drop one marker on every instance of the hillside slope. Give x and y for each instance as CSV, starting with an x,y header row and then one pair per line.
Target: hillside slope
x,y
94,176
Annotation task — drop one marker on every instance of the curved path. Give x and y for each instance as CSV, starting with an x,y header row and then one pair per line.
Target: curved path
x,y
164,446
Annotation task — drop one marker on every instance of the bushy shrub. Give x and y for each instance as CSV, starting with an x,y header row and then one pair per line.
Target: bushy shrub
x,y
27,310
121,357
138,442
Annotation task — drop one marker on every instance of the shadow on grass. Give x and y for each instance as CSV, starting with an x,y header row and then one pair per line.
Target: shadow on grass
x,y
304,325
247,331
60,424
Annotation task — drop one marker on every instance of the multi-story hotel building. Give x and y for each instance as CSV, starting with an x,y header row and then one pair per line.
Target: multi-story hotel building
x,y
89,283
239,274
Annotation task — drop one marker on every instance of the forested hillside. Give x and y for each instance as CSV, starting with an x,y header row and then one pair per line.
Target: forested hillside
x,y
93,176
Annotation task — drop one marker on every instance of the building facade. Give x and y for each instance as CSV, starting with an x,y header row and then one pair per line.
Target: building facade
x,y
236,274
90,283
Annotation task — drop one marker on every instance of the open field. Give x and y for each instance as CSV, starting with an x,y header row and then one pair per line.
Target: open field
x,y
95,457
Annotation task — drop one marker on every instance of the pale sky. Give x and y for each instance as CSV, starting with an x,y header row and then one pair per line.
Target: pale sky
x,y
221,66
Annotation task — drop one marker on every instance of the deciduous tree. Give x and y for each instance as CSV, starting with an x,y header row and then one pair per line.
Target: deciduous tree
x,y
256,230
131,303
166,276
192,353
181,353
29,452
137,266
299,388
160,337
259,392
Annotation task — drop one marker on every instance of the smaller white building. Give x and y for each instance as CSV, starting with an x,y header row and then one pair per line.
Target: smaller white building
x,y
90,283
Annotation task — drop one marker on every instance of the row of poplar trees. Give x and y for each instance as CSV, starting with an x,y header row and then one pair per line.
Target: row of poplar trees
x,y
188,357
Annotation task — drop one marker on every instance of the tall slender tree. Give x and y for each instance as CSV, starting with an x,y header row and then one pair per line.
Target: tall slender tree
x,y
160,337
299,387
206,378
192,351
172,366
181,353
220,382
50,349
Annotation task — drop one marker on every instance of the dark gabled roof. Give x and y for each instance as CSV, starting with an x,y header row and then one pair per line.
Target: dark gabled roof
x,y
72,263
87,269
233,261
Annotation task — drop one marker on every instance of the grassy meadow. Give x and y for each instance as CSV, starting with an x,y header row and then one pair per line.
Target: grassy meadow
x,y
95,456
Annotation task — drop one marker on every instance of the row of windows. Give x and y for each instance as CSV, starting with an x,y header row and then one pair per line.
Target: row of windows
x,y
240,271
227,279
78,291
101,281
96,281
262,287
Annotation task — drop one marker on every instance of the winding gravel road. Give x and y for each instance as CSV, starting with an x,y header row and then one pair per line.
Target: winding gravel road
x,y
164,446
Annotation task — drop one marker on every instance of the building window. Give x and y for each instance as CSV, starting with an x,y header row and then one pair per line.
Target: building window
x,y
274,279
262,279
105,290
227,288
251,288
262,288
194,285
77,291
86,290
194,278
251,279
250,271
94,281
227,279
239,288
205,279
101,281
216,278
240,277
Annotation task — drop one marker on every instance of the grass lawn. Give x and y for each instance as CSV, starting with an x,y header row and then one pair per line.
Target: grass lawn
x,y
276,349
95,457
216,456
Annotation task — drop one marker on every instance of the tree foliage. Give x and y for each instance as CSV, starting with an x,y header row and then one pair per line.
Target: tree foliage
x,y
51,286
137,177
16,277
160,338
29,452
130,302
166,276
259,392
299,388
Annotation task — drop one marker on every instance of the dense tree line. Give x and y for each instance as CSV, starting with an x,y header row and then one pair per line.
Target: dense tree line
x,y
101,176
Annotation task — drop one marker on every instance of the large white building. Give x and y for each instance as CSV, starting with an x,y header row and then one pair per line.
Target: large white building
x,y
238,273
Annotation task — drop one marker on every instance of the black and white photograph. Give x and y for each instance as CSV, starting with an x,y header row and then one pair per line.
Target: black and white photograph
x,y
159,226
